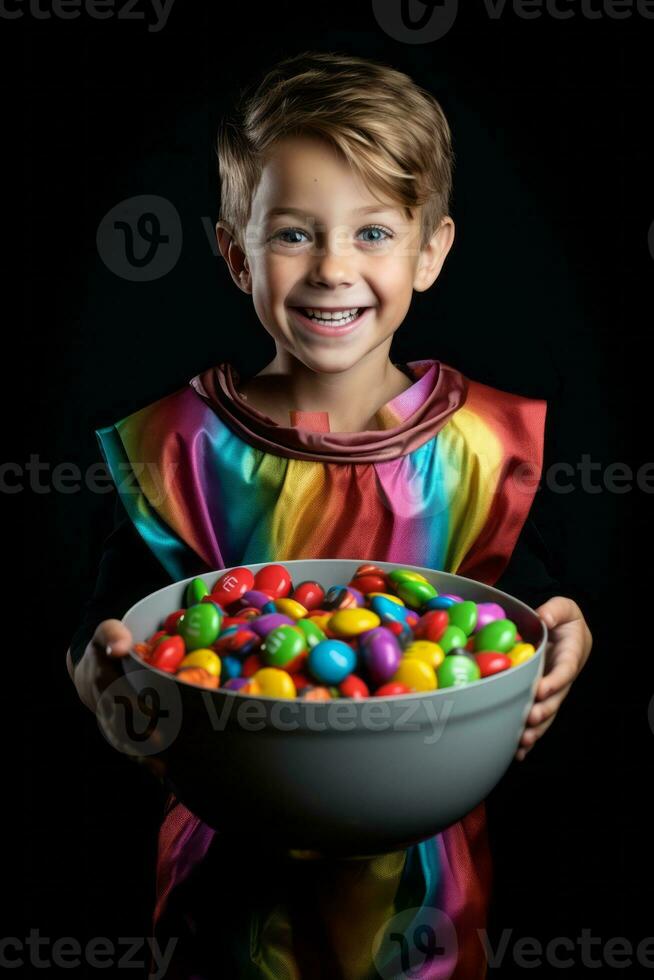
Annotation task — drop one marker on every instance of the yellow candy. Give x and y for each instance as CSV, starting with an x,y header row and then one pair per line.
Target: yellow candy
x,y
273,683
416,674
321,621
351,622
431,653
203,657
520,652
385,595
290,608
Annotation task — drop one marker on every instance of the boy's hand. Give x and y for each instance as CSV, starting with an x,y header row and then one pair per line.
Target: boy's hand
x,y
98,669
570,643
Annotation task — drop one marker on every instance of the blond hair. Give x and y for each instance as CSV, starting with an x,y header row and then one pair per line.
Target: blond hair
x,y
392,132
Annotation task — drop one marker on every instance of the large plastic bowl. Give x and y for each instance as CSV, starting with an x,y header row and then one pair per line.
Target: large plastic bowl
x,y
339,778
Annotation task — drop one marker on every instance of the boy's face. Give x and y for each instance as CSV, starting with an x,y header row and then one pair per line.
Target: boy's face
x,y
329,252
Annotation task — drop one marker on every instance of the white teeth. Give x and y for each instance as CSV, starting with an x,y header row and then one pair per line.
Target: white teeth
x,y
317,314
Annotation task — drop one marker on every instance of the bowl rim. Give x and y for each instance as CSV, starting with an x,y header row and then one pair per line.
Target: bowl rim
x,y
403,698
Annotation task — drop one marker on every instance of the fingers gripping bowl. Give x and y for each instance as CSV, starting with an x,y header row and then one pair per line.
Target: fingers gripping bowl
x,y
347,777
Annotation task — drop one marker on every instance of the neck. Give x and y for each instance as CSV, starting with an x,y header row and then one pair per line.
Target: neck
x,y
351,397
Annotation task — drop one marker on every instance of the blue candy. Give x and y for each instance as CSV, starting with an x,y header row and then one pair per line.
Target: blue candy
x,y
389,611
330,661
438,602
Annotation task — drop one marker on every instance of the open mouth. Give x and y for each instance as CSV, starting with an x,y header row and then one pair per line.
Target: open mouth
x,y
336,323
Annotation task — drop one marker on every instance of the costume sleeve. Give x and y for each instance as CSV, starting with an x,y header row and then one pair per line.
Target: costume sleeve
x,y
128,571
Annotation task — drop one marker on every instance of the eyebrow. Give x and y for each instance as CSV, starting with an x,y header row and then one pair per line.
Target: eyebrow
x,y
370,209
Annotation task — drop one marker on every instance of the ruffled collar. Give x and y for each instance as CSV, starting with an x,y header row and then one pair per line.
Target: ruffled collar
x,y
405,422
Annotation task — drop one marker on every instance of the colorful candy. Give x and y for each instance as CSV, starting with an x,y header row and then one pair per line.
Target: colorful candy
x,y
382,634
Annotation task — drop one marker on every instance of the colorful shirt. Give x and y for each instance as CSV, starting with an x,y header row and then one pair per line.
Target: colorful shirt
x,y
446,481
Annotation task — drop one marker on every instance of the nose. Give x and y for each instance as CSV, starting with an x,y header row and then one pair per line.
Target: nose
x,y
333,263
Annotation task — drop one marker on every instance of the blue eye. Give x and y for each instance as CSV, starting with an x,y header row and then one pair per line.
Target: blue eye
x,y
290,231
298,231
378,241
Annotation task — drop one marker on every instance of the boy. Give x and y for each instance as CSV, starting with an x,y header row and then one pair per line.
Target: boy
x,y
335,184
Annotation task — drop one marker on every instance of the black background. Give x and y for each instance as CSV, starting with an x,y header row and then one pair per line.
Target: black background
x,y
544,293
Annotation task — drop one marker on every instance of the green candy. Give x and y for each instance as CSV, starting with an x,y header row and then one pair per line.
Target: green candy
x,y
464,615
282,645
498,635
455,671
195,591
200,625
312,632
399,575
452,637
415,594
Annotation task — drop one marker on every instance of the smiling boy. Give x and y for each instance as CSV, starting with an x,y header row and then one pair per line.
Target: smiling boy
x,y
335,183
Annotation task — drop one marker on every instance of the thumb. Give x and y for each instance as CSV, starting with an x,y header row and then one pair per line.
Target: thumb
x,y
113,638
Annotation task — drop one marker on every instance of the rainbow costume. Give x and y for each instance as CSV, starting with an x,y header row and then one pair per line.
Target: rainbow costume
x,y
446,481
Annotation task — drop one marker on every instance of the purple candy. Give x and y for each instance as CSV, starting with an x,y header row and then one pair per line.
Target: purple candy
x,y
450,595
488,612
359,596
381,654
234,683
262,625
254,598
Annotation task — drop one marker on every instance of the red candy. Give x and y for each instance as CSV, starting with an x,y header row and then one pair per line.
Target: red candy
x,y
252,664
393,687
154,639
432,625
168,654
309,594
170,622
232,585
273,579
492,662
354,687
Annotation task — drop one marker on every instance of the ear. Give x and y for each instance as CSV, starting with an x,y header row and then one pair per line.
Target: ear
x,y
433,255
234,256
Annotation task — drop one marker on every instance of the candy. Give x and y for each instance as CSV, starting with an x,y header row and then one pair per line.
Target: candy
x,y
283,647
381,654
312,632
291,608
273,683
200,625
521,652
195,591
490,662
453,636
415,594
273,579
198,675
168,654
488,612
379,635
309,594
498,635
431,653
463,615
456,671
415,673
331,661
352,622
207,659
